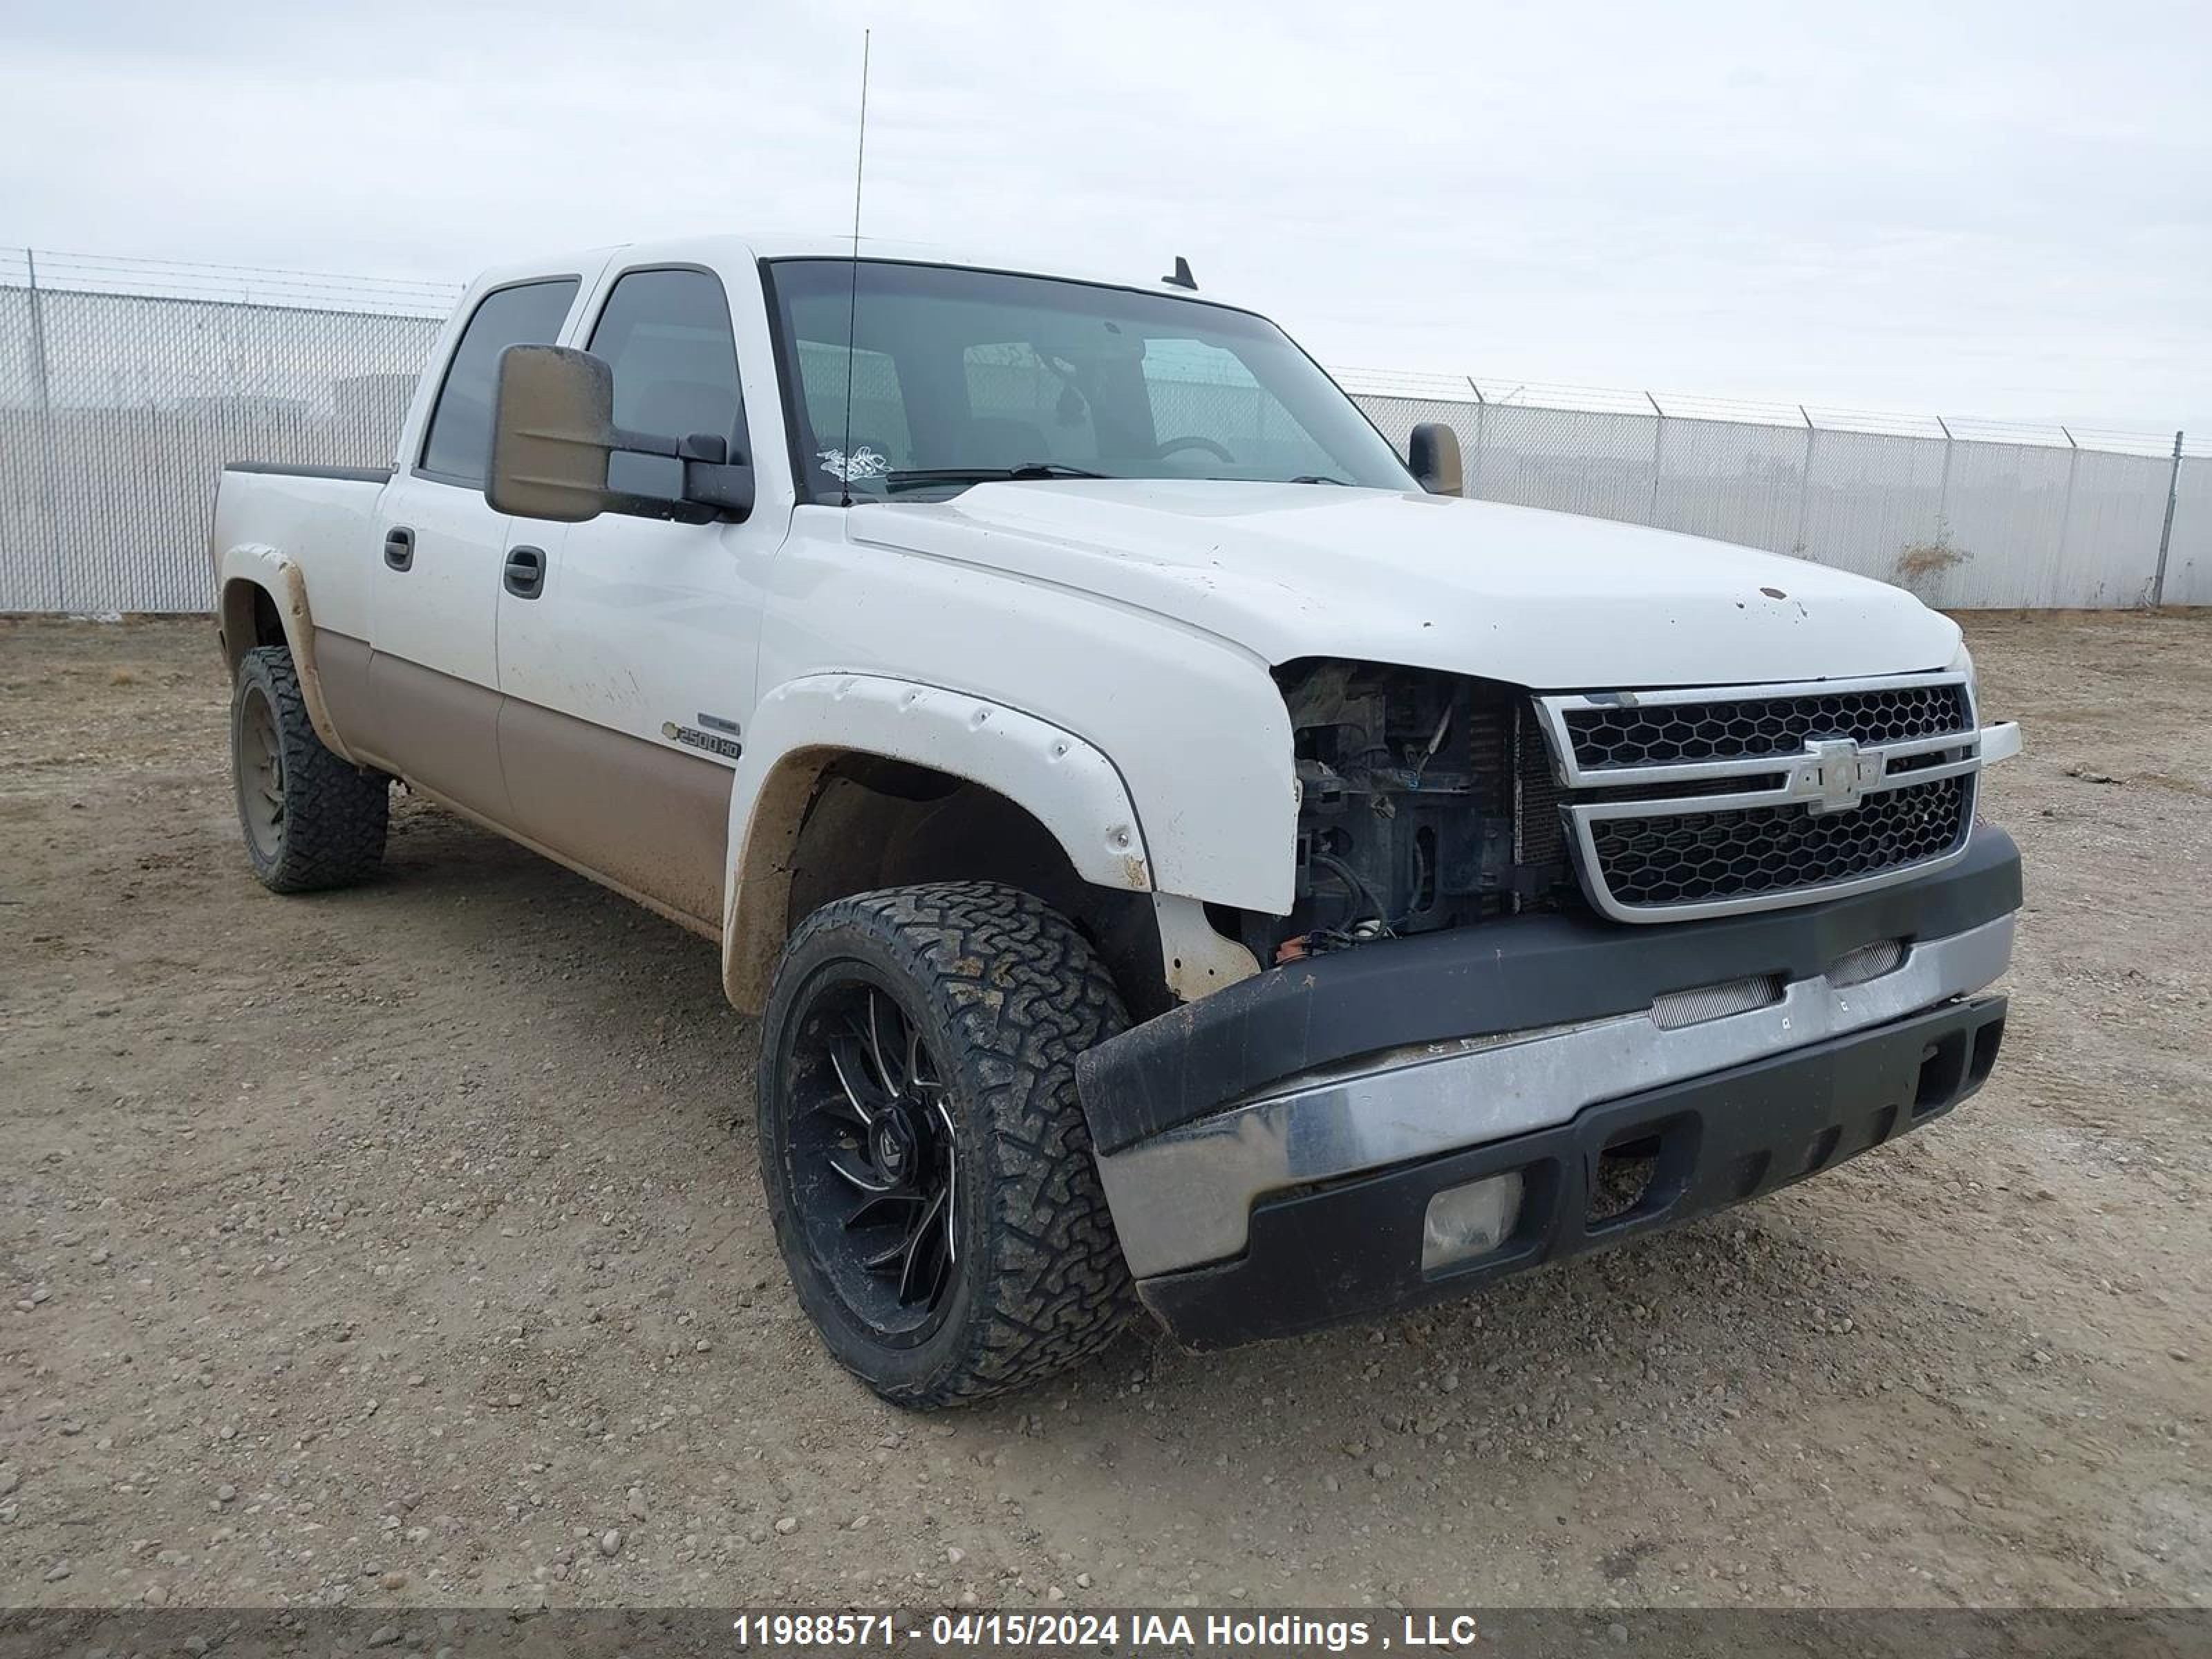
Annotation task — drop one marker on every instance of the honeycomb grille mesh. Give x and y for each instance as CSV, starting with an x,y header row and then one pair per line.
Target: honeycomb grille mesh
x,y
1659,733
1691,858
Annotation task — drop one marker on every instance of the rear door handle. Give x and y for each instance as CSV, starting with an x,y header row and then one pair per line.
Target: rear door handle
x,y
400,547
526,571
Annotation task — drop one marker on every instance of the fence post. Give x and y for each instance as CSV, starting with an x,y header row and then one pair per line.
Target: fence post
x,y
1804,484
2166,535
1658,456
2066,506
1481,435
1472,483
49,484
1943,487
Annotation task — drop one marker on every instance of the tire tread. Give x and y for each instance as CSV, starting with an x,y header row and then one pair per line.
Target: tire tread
x,y
335,813
1027,994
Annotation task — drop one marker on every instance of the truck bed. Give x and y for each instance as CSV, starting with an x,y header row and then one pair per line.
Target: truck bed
x,y
321,519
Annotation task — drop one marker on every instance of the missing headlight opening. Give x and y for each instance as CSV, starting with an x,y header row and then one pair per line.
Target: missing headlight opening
x,y
1425,802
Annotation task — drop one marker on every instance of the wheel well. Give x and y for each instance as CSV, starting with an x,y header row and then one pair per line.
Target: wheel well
x,y
249,618
873,823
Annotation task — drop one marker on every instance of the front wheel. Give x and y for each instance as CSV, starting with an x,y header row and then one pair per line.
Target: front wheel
x,y
927,1165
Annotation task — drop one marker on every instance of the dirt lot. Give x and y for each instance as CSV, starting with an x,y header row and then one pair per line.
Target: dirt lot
x,y
406,1246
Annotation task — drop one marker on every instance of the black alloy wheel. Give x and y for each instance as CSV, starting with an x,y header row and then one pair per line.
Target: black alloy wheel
x,y
875,1157
927,1165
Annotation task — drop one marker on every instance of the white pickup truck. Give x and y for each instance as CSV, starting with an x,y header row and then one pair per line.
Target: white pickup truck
x,y
1181,856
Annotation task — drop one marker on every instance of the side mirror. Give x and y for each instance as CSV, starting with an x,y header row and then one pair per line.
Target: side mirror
x,y
553,433
552,429
1432,453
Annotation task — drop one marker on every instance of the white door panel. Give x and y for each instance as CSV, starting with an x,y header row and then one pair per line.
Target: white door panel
x,y
627,670
436,603
435,586
649,626
639,623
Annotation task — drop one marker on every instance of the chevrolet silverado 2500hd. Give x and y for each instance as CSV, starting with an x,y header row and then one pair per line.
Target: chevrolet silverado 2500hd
x,y
1180,854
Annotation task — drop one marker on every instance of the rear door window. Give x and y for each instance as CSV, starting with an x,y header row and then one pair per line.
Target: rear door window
x,y
458,446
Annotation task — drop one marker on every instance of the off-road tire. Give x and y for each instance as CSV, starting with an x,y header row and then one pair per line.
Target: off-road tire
x,y
329,815
1007,994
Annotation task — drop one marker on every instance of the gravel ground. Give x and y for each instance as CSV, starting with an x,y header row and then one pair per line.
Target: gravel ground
x,y
405,1246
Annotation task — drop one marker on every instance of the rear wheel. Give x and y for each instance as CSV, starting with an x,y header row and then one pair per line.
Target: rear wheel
x,y
312,820
926,1162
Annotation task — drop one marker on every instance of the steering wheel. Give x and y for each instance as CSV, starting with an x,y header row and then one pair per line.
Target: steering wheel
x,y
1160,450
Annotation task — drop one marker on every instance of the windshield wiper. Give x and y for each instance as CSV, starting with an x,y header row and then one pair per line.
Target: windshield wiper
x,y
1319,477
922,477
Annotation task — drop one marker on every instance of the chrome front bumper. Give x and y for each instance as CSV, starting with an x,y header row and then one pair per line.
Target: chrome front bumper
x,y
1183,1197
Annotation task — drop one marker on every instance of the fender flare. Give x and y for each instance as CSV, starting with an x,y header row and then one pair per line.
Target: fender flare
x,y
253,567
802,726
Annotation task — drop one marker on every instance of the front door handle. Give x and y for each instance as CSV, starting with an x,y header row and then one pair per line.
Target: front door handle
x,y
526,571
400,547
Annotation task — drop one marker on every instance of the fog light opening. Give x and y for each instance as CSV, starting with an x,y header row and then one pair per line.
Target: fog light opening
x,y
1466,1222
1622,1179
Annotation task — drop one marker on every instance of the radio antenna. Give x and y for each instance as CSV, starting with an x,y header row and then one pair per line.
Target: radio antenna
x,y
853,305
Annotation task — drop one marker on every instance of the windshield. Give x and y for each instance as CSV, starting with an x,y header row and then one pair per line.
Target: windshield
x,y
963,376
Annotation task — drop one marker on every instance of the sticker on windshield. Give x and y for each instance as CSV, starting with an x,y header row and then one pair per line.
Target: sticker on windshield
x,y
865,462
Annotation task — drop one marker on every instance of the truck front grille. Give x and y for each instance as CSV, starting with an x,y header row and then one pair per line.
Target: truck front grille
x,y
1682,804
1692,858
1635,733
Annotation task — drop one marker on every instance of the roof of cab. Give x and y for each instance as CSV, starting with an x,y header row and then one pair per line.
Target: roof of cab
x,y
793,246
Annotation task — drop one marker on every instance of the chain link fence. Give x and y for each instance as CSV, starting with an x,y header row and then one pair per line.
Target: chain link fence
x,y
124,389
1970,515
124,386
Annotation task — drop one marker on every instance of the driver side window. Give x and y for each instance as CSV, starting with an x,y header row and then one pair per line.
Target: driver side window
x,y
667,337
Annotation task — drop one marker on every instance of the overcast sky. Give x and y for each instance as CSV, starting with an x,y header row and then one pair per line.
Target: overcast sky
x,y
1999,210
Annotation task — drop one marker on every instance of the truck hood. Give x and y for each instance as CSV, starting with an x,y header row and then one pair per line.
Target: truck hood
x,y
1514,593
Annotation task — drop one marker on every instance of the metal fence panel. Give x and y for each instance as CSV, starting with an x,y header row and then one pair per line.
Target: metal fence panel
x,y
1732,480
1873,505
118,411
26,582
1965,523
2108,552
2189,557
121,397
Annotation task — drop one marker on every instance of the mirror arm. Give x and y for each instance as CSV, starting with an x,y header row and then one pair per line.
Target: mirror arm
x,y
642,443
726,486
716,484
714,477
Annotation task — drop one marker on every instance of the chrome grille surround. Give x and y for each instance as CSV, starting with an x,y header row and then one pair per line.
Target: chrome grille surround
x,y
1759,791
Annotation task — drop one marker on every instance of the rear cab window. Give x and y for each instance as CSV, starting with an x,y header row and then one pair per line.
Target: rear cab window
x,y
457,443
